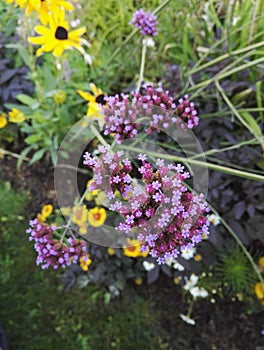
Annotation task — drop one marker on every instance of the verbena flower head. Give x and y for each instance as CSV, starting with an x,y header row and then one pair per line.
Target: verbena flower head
x,y
146,22
165,215
51,251
152,105
57,37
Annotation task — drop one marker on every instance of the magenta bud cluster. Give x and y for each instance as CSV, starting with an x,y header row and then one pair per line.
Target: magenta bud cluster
x,y
52,252
152,106
164,214
146,22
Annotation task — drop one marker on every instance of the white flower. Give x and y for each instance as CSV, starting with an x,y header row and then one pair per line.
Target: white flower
x,y
187,254
198,292
178,266
148,266
149,42
187,319
214,219
191,282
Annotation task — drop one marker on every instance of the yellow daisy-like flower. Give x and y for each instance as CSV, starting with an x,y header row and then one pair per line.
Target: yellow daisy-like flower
x,y
16,116
46,210
80,215
96,216
3,120
57,37
94,101
133,248
41,218
44,7
85,262
259,291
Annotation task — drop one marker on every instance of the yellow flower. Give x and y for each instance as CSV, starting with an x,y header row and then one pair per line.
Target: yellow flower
x,y
94,101
46,210
57,37
41,218
197,257
138,281
66,211
80,215
261,263
43,7
259,291
85,262
110,251
96,216
89,196
16,116
133,248
20,3
3,120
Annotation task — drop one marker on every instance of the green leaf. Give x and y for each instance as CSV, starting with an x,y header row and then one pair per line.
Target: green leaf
x,y
23,155
251,123
37,156
32,139
27,100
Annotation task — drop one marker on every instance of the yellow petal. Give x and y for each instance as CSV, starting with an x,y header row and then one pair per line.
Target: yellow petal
x,y
58,51
86,95
38,40
77,32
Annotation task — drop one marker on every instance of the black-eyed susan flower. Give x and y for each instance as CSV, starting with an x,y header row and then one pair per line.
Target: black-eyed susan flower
x,y
85,261
94,100
16,116
3,120
96,216
57,37
20,3
43,7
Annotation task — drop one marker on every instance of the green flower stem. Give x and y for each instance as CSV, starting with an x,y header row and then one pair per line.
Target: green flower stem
x,y
12,154
190,308
80,202
132,34
142,66
237,239
188,161
226,74
225,56
32,67
98,135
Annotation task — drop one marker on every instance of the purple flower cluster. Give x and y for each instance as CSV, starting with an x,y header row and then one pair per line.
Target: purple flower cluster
x,y
166,216
52,252
152,106
146,22
110,174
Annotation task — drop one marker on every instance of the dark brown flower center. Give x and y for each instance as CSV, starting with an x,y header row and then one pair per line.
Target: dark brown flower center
x,y
100,99
61,33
